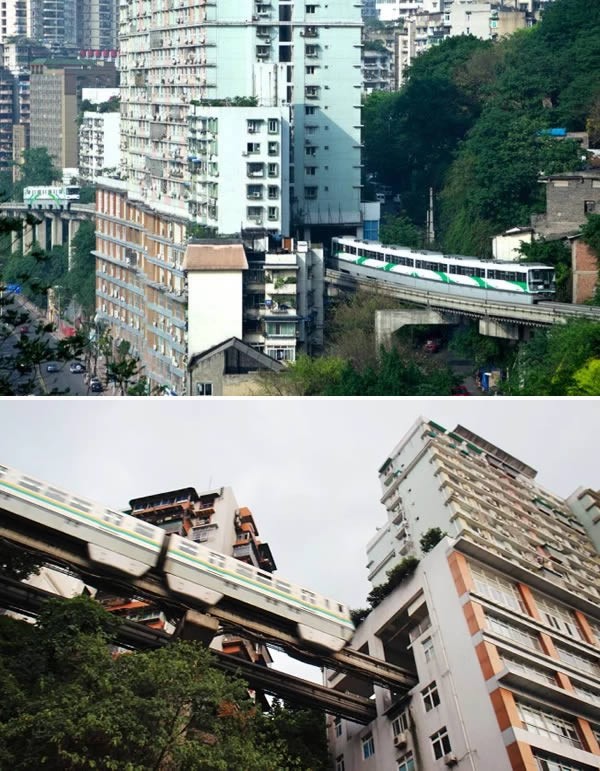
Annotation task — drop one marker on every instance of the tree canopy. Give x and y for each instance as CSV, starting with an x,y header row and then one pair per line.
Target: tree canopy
x,y
68,703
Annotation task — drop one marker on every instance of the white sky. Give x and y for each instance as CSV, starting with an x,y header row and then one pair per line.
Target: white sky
x,y
306,468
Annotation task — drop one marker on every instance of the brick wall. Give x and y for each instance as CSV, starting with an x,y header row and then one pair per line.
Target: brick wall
x,y
584,262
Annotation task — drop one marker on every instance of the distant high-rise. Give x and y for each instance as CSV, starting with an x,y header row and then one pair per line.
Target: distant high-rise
x,y
86,24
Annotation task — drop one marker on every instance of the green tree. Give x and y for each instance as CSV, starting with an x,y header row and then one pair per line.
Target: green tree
x,y
69,704
430,539
587,379
401,231
123,367
37,169
81,279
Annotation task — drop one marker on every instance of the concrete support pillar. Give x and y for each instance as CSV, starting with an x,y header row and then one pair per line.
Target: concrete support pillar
x,y
387,322
15,242
73,228
57,232
28,236
40,233
492,328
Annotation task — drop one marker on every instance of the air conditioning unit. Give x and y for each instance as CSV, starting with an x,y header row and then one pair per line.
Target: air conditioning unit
x,y
450,759
401,739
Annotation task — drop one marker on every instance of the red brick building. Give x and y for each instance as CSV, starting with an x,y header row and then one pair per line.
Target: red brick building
x,y
584,263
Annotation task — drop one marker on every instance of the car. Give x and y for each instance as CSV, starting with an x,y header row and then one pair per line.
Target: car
x,y
76,366
460,390
432,346
52,367
96,387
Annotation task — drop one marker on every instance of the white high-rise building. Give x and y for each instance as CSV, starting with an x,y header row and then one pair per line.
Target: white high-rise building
x,y
498,623
238,118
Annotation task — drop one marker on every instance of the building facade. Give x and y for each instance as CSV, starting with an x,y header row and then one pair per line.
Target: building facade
x,y
56,88
499,622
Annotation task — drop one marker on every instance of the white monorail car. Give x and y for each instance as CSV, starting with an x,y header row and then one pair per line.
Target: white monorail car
x,y
196,571
446,274
114,539
129,545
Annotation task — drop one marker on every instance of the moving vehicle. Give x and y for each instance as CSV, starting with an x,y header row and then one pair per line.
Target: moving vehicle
x,y
127,545
469,277
76,366
50,196
96,387
52,367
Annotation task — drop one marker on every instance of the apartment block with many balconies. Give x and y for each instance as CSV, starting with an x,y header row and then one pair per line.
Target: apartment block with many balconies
x,y
499,622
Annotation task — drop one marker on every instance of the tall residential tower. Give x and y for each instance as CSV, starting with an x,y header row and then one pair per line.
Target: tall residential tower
x,y
499,622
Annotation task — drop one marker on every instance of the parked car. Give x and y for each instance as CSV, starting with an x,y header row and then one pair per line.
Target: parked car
x,y
96,386
76,366
460,390
52,367
432,346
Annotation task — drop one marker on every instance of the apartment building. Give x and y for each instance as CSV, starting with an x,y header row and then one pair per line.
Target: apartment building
x,y
213,518
13,19
99,134
7,115
254,146
56,87
499,622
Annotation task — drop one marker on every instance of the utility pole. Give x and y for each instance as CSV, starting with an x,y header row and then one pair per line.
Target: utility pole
x,y
430,225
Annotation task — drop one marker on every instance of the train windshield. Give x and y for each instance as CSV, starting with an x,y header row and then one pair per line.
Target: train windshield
x,y
72,190
541,278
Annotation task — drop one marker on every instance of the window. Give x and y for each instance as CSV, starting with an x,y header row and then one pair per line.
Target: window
x,y
310,171
273,148
309,110
273,169
513,632
311,9
273,192
440,743
431,697
558,617
576,661
406,763
338,726
252,148
496,588
273,212
428,648
310,151
339,763
589,207
400,723
310,192
204,389
311,69
368,746
549,724
273,126
547,761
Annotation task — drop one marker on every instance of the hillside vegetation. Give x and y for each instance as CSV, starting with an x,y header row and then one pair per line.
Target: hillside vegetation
x,y
467,124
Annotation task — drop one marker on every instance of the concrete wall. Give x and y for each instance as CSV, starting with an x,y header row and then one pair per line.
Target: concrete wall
x,y
214,308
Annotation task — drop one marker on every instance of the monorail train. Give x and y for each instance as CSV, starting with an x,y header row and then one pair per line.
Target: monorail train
x,y
51,196
125,544
448,274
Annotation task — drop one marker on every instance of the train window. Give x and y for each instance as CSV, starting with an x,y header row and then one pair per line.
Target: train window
x,y
264,577
79,504
30,484
57,495
144,530
283,585
308,596
325,602
341,608
3,470
242,570
188,548
350,249
216,559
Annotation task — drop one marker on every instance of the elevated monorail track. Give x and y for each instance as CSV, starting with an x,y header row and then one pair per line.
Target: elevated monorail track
x,y
539,314
22,598
64,554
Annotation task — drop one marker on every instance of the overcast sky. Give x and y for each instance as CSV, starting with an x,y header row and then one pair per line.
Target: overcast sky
x,y
307,468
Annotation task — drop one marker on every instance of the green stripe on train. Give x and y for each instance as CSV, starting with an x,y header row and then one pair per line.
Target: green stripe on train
x,y
82,515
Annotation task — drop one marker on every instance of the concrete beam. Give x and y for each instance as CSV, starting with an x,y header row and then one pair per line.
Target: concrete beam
x,y
505,330
387,322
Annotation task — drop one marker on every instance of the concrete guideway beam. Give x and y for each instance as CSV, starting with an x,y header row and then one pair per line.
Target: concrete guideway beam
x,y
388,322
274,631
